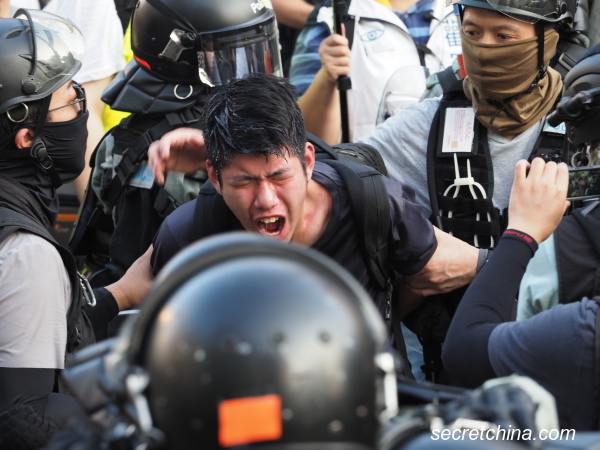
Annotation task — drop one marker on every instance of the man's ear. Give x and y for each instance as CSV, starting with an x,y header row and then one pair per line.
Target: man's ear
x,y
213,177
24,138
309,157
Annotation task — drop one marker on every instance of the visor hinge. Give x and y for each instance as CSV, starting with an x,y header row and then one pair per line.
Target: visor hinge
x,y
179,41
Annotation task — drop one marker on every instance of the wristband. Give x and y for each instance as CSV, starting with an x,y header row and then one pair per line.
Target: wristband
x,y
523,237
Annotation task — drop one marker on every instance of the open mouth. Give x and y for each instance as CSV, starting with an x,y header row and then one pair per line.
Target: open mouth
x,y
271,226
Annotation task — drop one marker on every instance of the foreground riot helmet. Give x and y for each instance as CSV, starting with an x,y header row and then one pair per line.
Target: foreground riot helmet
x,y
249,341
212,41
39,52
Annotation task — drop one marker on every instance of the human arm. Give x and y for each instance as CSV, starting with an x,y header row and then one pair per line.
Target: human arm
x,y
537,203
180,150
320,104
453,265
131,289
292,13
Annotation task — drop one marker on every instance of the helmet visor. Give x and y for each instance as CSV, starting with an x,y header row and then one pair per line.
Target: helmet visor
x,y
529,11
229,55
58,48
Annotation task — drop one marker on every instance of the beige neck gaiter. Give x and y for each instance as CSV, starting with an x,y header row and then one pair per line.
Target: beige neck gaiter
x,y
498,76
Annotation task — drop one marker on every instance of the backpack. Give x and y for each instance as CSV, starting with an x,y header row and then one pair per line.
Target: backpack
x,y
361,168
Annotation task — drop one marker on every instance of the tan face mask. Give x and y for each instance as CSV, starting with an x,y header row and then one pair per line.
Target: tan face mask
x,y
499,75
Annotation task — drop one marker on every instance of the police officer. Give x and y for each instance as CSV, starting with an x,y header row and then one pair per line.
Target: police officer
x,y
42,145
181,49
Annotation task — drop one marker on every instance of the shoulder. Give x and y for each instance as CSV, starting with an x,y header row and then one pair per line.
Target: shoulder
x,y
175,233
35,294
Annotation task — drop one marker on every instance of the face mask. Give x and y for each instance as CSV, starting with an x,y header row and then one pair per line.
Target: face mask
x,y
500,71
498,76
66,144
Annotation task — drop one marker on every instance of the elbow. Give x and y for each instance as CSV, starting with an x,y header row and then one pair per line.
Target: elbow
x,y
458,361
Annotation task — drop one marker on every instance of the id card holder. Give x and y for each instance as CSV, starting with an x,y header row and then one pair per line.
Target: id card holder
x,y
459,133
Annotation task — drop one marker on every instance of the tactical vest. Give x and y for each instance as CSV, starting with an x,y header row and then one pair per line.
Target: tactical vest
x,y
79,328
139,205
454,206
460,191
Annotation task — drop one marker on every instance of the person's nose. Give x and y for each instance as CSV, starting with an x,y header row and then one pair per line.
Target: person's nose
x,y
487,38
266,196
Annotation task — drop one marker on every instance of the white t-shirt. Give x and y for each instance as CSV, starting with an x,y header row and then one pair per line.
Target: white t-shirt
x,y
35,295
103,33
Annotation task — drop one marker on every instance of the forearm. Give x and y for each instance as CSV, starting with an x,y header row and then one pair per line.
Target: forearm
x,y
100,315
488,302
292,13
320,107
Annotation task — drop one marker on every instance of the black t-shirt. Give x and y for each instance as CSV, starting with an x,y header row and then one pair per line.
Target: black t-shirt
x,y
412,239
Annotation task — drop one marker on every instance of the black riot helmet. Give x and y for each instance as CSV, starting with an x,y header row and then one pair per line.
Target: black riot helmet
x,y
531,11
39,52
248,341
213,41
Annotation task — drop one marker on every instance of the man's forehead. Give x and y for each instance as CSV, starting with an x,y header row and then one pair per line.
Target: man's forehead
x,y
240,160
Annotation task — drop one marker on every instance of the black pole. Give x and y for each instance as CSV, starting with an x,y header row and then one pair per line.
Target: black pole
x,y
344,83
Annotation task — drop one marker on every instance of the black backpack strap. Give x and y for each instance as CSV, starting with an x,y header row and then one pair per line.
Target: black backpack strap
x,y
137,152
371,210
211,214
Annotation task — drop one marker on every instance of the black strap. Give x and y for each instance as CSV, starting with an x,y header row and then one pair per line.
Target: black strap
x,y
371,210
211,214
134,155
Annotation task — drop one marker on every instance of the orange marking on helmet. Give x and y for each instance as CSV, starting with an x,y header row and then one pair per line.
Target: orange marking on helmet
x,y
251,419
143,63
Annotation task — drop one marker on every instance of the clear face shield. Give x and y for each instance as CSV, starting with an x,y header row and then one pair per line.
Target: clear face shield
x,y
229,55
58,49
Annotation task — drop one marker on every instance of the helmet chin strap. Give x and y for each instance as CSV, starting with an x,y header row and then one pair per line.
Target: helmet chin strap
x,y
38,151
543,69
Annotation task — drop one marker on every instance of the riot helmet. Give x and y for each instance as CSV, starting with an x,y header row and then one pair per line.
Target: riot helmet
x,y
39,53
248,341
212,41
530,11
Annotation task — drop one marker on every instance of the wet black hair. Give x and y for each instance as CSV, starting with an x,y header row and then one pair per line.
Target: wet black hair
x,y
256,114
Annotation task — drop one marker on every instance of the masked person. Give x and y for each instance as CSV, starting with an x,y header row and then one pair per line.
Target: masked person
x,y
459,152
43,133
181,50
